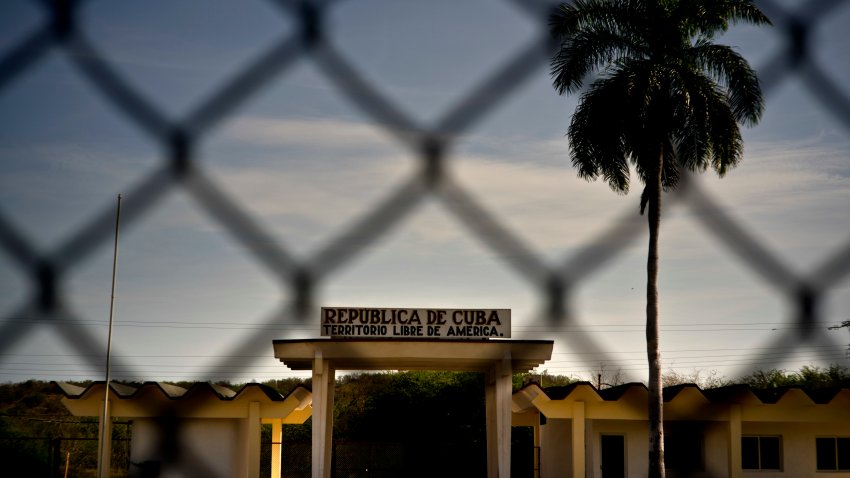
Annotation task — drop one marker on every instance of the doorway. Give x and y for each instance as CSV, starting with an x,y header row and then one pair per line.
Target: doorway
x,y
613,449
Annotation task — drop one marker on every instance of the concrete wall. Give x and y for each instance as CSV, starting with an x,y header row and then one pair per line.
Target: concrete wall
x,y
187,448
716,450
798,447
637,450
556,442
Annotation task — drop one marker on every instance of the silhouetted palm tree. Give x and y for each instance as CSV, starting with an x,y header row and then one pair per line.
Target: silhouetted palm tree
x,y
667,97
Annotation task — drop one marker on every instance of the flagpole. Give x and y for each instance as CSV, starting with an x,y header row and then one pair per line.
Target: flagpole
x,y
105,431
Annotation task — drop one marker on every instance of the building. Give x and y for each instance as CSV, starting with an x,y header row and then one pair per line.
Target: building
x,y
182,432
580,431
731,431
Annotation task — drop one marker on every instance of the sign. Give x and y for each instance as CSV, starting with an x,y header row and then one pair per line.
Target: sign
x,y
416,323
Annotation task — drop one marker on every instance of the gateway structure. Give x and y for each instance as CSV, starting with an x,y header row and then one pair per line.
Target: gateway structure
x,y
415,339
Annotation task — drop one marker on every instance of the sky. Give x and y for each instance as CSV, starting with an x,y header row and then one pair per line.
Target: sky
x,y
306,162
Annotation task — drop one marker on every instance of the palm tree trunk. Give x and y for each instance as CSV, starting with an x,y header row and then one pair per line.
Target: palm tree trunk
x,y
653,350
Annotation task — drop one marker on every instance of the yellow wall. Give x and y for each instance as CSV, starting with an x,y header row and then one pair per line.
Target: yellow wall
x,y
798,447
637,450
194,445
794,416
715,447
556,442
798,441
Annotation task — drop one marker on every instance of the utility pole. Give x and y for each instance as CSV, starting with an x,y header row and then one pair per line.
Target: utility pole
x,y
104,440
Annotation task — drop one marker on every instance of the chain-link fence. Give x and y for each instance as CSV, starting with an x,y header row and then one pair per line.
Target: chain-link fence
x,y
306,37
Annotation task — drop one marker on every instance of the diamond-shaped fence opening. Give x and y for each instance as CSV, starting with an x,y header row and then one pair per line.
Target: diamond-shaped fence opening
x,y
179,139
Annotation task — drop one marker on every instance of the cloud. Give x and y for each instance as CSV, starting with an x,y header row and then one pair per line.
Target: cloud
x,y
317,134
536,194
791,196
787,195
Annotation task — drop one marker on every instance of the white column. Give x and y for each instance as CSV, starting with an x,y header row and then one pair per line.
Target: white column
x,y
589,437
330,377
734,440
254,438
578,434
498,400
323,403
277,439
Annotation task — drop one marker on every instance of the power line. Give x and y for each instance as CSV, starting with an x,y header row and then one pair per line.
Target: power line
x,y
724,326
701,365
163,324
666,351
803,355
160,370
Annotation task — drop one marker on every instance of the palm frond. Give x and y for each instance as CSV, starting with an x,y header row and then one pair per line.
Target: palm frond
x,y
612,15
594,34
734,73
707,18
599,147
586,51
727,144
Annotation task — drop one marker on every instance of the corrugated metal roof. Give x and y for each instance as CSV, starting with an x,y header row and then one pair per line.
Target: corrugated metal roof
x,y
729,394
170,391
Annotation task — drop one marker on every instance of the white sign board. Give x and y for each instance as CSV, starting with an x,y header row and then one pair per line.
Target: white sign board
x,y
416,323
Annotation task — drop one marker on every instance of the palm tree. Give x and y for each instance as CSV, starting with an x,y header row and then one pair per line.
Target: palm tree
x,y
667,98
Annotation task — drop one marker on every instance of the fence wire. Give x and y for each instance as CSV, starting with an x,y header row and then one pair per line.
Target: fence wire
x,y
63,31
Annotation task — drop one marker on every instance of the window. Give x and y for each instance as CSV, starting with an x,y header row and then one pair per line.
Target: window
x,y
833,453
683,446
761,453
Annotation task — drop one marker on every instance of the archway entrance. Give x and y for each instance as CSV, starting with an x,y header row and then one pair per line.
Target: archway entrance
x,y
498,359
